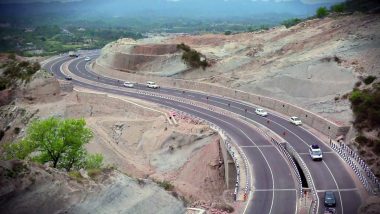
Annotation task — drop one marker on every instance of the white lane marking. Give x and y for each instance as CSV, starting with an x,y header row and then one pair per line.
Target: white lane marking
x,y
340,196
256,146
270,169
338,190
270,190
226,104
244,134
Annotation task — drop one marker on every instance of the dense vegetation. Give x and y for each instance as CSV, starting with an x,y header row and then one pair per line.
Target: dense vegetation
x,y
322,12
192,57
16,71
52,39
57,142
366,107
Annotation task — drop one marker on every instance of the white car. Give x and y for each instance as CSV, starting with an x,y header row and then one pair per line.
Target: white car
x,y
87,59
128,84
296,121
261,112
151,84
315,152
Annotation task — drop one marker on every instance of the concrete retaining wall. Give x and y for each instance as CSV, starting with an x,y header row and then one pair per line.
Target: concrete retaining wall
x,y
315,121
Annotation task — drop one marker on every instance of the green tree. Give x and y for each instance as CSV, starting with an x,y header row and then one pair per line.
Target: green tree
x,y
60,142
322,12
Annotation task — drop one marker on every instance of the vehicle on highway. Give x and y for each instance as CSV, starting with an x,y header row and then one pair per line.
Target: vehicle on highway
x,y
261,112
87,59
296,121
68,77
330,210
128,84
151,84
329,199
315,152
73,54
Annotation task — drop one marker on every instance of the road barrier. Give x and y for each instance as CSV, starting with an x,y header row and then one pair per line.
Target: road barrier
x,y
305,170
361,169
313,120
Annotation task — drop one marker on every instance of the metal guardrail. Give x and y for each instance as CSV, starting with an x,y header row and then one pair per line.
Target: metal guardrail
x,y
291,161
234,152
230,147
361,169
301,163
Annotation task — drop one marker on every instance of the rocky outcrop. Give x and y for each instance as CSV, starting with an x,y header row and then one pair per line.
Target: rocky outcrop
x,y
157,59
31,188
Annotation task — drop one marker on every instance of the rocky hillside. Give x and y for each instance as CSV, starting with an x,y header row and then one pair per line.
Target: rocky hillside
x,y
30,188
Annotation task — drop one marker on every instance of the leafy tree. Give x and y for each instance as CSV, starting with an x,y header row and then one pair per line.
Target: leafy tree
x,y
322,12
60,142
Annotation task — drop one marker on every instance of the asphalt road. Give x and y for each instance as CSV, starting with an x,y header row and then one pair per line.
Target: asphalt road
x,y
274,186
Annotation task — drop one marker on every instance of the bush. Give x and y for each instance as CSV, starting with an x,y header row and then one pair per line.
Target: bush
x,y
361,140
338,8
376,148
291,22
365,105
75,175
192,57
368,80
322,12
94,161
166,185
1,134
93,173
227,33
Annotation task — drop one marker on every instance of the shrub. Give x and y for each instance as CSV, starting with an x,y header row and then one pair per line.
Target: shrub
x,y
338,8
75,175
376,148
192,57
166,185
361,140
94,161
368,80
322,12
1,134
93,173
291,22
227,33
358,84
365,105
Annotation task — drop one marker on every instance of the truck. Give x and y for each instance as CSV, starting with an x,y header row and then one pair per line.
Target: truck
x,y
73,54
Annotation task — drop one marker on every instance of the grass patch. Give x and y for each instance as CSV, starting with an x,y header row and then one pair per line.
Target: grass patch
x,y
75,175
166,185
94,173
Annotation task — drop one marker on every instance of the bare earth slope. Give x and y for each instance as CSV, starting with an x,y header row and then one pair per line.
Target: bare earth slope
x,y
309,64
29,188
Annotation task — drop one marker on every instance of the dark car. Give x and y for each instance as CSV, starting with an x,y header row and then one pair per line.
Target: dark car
x,y
330,200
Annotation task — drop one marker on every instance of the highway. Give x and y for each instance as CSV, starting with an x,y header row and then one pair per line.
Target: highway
x,y
273,184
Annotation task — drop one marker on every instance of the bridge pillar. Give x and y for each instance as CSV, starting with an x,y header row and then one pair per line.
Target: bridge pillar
x,y
229,167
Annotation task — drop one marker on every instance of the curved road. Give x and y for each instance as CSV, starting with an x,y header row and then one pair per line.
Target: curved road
x,y
274,186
